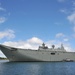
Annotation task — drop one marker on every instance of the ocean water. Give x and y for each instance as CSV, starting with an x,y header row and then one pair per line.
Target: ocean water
x,y
36,68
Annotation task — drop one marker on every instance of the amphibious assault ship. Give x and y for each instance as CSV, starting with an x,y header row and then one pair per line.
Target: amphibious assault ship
x,y
43,53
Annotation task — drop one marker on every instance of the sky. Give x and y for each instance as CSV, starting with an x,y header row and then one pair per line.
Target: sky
x,y
29,23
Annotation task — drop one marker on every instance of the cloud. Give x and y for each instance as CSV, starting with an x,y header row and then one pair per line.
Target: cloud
x,y
61,0
2,9
74,31
73,2
31,43
9,14
74,35
74,28
62,37
35,40
0,3
59,35
4,14
58,23
71,18
68,47
66,39
7,34
2,20
65,11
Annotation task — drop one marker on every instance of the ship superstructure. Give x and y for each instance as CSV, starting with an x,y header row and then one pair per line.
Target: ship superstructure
x,y
42,54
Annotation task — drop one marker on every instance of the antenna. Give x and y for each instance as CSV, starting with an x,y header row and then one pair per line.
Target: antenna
x,y
53,46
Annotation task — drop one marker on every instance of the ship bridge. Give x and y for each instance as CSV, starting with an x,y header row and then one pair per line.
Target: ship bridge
x,y
44,47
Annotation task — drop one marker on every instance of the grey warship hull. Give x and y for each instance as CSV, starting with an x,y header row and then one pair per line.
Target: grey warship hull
x,y
18,54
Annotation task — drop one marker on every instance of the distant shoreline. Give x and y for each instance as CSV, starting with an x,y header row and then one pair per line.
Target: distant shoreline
x,y
1,58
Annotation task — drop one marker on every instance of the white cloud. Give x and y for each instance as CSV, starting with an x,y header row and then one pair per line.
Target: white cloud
x,y
58,43
9,14
68,47
62,37
2,9
74,35
59,35
58,23
4,12
21,44
71,18
61,0
64,11
73,3
31,43
2,19
66,39
7,34
0,3
74,28
35,40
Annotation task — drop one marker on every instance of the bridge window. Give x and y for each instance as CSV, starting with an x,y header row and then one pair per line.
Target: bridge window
x,y
52,53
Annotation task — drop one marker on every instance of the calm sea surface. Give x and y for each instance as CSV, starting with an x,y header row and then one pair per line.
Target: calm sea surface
x,y
36,68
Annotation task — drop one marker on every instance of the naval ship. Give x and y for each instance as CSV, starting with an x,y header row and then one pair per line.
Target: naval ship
x,y
43,53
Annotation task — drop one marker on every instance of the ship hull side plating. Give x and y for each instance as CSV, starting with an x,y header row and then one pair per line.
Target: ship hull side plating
x,y
36,55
